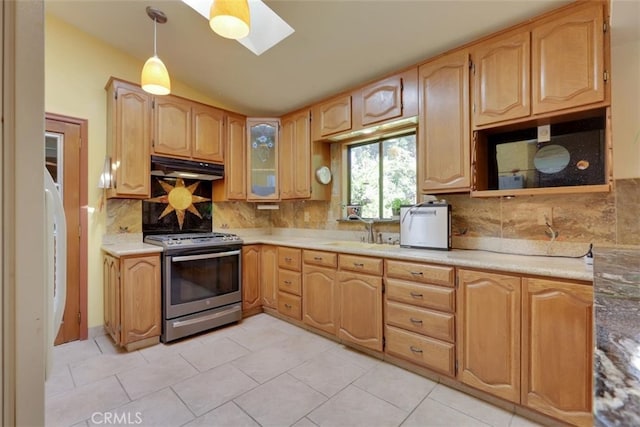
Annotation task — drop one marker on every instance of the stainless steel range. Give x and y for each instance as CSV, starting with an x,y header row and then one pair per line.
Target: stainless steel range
x,y
201,281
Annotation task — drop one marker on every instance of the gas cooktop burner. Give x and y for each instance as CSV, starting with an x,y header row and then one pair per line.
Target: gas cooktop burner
x,y
190,240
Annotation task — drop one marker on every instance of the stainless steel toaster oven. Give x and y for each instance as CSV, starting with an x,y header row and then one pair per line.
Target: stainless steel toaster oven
x,y
427,225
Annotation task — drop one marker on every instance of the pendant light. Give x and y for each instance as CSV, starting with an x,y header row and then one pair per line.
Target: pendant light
x,y
155,77
230,18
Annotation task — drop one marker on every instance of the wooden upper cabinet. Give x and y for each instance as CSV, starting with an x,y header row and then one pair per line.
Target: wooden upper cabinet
x,y
489,332
391,98
332,116
234,184
208,133
382,100
129,139
444,136
568,59
501,84
557,349
235,176
262,159
295,156
188,129
172,126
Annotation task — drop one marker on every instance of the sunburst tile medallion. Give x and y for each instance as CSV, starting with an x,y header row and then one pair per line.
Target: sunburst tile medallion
x,y
179,199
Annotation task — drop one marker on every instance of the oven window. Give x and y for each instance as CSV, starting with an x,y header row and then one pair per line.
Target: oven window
x,y
193,280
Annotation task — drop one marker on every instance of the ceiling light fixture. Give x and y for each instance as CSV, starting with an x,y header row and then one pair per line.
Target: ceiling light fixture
x,y
155,77
267,28
230,18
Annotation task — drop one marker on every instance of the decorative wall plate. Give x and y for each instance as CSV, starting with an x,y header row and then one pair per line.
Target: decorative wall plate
x,y
323,174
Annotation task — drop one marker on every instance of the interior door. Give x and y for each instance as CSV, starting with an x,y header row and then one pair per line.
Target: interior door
x,y
64,161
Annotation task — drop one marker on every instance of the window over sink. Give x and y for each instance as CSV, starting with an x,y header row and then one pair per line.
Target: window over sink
x,y
380,171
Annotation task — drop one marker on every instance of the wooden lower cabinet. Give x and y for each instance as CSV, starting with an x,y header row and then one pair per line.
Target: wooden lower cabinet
x,y
132,299
290,305
251,295
489,332
422,350
269,276
111,287
420,319
360,309
320,302
557,349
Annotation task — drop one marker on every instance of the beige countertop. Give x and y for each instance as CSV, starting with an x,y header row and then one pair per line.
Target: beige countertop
x,y
560,267
119,249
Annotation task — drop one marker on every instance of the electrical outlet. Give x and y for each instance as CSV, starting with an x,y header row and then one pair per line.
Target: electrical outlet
x,y
545,216
307,217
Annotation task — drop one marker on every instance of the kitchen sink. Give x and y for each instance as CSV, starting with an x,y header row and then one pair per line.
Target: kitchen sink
x,y
362,245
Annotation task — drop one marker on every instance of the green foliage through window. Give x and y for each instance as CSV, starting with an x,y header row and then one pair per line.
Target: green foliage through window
x,y
381,171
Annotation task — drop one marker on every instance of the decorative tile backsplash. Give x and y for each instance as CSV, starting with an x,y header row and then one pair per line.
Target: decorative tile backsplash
x,y
578,219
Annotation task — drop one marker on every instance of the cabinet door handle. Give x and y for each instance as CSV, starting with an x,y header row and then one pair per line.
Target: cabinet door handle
x,y
288,306
287,282
358,264
415,349
416,273
288,259
417,321
416,295
317,258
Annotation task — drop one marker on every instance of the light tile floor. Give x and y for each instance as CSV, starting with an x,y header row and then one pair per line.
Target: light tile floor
x,y
261,372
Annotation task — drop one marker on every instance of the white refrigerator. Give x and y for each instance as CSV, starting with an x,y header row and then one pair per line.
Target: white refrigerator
x,y
56,241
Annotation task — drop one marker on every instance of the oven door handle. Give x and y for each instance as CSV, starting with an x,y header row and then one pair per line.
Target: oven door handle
x,y
204,256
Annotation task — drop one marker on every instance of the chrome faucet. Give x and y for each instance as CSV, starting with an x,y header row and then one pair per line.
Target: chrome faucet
x,y
368,224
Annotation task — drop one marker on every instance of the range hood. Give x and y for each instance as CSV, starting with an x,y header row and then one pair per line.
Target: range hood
x,y
187,169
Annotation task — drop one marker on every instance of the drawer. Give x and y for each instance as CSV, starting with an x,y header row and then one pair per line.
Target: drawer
x,y
360,264
325,259
421,320
290,305
431,353
289,281
427,296
290,258
423,273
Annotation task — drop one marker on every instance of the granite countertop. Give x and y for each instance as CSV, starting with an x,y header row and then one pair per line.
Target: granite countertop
x,y
617,354
124,244
566,268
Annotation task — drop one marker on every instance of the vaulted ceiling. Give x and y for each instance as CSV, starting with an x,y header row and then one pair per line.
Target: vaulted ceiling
x,y
337,44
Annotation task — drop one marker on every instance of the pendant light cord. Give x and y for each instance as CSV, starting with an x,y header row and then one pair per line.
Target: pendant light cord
x,y
155,21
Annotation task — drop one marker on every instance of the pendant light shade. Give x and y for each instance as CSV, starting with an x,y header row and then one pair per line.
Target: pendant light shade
x,y
155,77
230,18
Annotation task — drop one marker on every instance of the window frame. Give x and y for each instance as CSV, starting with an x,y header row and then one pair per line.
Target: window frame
x,y
379,139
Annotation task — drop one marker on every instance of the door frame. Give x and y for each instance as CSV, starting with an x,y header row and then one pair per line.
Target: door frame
x,y
84,233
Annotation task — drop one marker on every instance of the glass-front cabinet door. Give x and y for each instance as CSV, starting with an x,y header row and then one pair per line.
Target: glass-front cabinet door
x,y
263,159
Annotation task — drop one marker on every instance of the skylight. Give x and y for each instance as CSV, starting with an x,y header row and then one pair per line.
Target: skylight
x,y
267,28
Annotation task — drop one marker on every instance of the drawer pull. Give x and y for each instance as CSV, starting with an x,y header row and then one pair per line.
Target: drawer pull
x,y
416,295
288,259
417,321
288,306
358,264
317,258
415,349
416,273
287,282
